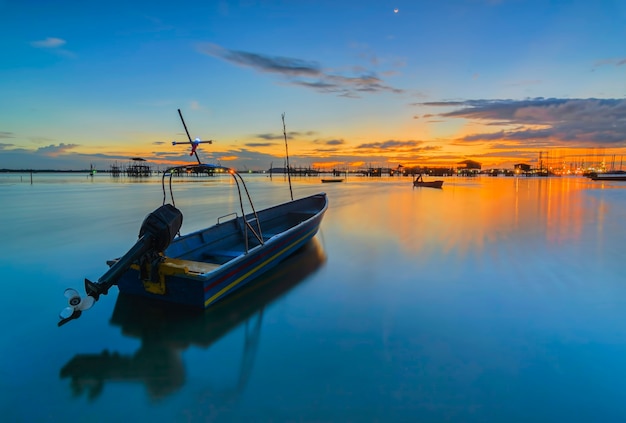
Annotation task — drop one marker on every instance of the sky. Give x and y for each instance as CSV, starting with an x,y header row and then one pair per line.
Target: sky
x,y
367,83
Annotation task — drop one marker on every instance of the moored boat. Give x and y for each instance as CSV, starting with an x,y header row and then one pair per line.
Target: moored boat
x,y
420,182
200,268
616,175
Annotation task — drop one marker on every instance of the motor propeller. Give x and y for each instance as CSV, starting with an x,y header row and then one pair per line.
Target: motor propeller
x,y
77,305
157,232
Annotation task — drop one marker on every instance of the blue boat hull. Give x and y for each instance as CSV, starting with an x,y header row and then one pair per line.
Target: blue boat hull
x,y
201,268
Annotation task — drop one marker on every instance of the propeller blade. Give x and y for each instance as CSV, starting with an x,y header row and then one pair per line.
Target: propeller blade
x,y
86,303
70,293
66,313
77,305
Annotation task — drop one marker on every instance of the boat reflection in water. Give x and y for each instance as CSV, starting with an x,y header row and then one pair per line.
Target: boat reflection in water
x,y
166,330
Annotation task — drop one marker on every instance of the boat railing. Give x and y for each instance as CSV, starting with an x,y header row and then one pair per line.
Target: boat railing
x,y
256,232
226,215
247,223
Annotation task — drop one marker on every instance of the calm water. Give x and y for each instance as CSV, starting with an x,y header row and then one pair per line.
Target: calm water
x,y
492,300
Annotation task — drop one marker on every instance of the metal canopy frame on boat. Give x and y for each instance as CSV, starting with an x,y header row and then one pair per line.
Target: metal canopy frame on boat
x,y
241,184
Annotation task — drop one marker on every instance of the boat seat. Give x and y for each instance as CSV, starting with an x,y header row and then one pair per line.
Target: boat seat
x,y
180,266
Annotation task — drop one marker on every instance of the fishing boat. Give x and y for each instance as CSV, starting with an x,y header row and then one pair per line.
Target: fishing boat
x,y
200,268
616,175
420,182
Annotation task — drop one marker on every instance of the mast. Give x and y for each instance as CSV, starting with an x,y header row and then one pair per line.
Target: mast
x,y
287,156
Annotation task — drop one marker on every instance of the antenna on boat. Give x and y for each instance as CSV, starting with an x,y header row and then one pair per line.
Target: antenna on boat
x,y
194,143
287,155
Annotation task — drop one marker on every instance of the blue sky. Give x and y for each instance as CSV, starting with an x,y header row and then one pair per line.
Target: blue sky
x,y
405,82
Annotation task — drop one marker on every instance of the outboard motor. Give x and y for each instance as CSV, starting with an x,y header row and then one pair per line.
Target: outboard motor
x,y
157,232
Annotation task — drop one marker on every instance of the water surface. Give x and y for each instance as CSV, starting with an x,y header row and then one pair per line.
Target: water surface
x,y
493,299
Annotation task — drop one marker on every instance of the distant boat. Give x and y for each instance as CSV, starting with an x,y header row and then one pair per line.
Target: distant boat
x,y
420,182
616,175
330,180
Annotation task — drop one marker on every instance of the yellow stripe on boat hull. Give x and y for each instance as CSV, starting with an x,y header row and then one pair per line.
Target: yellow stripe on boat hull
x,y
238,280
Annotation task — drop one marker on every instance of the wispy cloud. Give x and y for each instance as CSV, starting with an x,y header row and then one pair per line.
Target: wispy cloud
x,y
270,137
334,142
5,134
348,86
281,136
304,73
518,135
53,45
260,144
568,121
52,156
53,150
281,65
391,145
49,42
610,62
